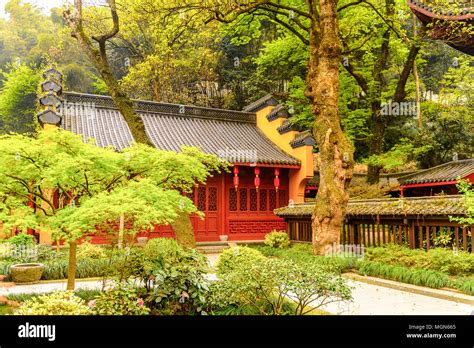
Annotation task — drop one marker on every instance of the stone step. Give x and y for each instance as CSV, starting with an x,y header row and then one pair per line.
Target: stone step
x,y
214,249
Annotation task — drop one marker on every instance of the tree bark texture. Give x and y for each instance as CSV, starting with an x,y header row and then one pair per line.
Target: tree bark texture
x,y
336,151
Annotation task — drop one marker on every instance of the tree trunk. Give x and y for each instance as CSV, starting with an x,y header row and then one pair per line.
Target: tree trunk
x,y
335,149
121,100
183,229
98,57
71,269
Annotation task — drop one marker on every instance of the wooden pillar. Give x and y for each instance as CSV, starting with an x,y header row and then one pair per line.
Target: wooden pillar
x,y
411,234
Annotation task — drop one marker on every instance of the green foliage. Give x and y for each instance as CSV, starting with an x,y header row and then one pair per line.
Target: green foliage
x,y
87,250
162,250
465,285
17,99
85,294
230,258
179,286
57,268
56,303
131,264
398,156
467,190
302,253
415,276
443,238
121,300
276,287
277,239
438,259
21,239
97,187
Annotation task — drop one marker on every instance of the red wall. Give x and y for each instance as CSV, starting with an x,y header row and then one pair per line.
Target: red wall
x,y
250,219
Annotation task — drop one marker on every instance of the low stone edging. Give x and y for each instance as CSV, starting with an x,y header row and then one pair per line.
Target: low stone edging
x,y
444,294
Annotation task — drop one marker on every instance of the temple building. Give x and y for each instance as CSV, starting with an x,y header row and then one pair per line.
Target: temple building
x,y
451,24
437,180
271,162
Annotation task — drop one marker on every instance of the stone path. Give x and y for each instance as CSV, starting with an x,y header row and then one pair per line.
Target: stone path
x,y
368,298
372,299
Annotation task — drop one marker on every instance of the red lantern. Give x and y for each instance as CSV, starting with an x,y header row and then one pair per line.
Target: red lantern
x,y
257,179
236,177
276,181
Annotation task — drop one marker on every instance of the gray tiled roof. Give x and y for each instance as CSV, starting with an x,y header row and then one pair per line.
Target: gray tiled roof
x,y
229,134
446,172
435,205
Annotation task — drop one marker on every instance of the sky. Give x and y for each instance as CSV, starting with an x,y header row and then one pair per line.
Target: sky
x,y
44,5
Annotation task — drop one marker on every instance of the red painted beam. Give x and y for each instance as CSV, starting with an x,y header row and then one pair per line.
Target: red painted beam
x,y
291,166
428,184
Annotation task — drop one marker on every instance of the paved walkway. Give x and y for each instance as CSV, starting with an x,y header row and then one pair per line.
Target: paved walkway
x,y
372,299
368,298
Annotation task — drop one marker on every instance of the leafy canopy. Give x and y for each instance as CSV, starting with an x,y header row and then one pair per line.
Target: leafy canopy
x,y
93,186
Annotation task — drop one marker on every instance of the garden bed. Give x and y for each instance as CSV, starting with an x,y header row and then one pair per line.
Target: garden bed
x,y
437,268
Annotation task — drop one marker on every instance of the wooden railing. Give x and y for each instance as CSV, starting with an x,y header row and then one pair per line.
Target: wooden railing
x,y
413,233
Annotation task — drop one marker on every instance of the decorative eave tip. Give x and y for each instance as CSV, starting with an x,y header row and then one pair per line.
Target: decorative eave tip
x,y
52,74
49,117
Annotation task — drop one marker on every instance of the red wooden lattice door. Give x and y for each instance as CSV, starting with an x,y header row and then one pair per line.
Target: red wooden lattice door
x,y
206,199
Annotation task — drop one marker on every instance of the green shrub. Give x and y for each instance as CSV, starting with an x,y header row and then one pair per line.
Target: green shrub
x,y
463,284
265,288
56,303
162,249
131,264
423,277
122,300
174,277
302,253
179,285
437,259
22,239
230,258
277,239
88,250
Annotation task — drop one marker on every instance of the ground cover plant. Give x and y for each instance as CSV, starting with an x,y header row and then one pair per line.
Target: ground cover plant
x,y
252,284
92,260
455,263
302,253
436,268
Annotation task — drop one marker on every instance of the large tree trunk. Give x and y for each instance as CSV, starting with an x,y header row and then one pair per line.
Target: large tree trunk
x,y
336,151
376,142
71,269
121,100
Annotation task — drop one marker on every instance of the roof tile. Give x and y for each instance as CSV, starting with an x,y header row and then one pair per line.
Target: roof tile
x,y
436,205
228,134
445,172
